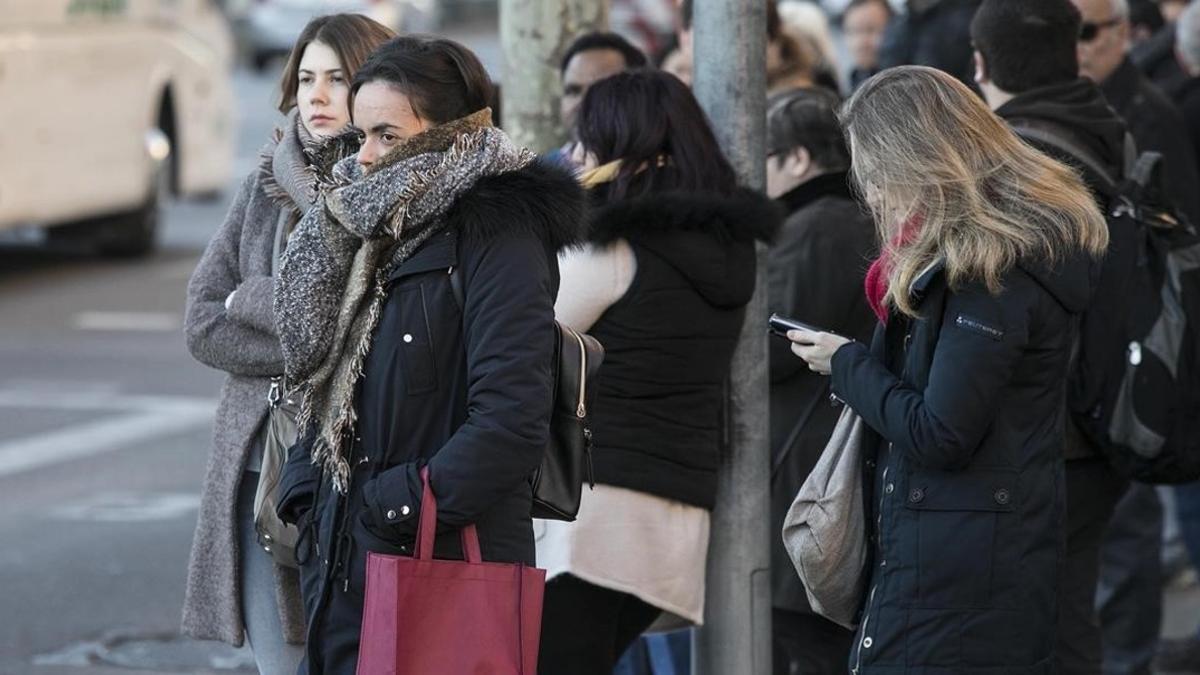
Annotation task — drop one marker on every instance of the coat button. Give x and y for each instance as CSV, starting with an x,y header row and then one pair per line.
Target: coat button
x,y
267,537
404,510
407,338
391,514
883,563
916,496
867,642
1002,497
889,488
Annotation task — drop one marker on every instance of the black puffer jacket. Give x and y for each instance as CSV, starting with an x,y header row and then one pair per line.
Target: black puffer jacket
x,y
964,472
466,392
935,33
657,417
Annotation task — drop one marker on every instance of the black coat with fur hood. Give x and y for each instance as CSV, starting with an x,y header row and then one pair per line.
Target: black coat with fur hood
x,y
657,418
466,390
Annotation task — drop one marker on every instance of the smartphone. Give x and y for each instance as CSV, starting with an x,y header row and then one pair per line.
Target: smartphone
x,y
780,325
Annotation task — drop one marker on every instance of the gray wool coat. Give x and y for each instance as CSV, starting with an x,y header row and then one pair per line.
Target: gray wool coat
x,y
241,341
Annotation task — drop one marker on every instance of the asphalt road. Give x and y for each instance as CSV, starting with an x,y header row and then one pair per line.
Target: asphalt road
x,y
104,430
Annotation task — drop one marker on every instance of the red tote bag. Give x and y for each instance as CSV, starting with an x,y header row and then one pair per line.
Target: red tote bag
x,y
449,617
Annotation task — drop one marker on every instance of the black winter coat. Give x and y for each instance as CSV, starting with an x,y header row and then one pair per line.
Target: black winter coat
x,y
816,269
935,33
657,416
964,473
1158,126
466,392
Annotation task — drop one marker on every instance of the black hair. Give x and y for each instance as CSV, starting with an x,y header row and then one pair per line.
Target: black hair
x,y
351,36
441,78
1027,44
652,122
807,118
588,42
1146,13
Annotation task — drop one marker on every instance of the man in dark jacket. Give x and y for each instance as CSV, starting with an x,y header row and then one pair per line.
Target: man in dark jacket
x,y
932,33
816,268
1027,67
1187,95
1154,121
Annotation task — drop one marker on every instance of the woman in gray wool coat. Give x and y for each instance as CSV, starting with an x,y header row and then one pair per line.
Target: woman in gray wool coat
x,y
235,591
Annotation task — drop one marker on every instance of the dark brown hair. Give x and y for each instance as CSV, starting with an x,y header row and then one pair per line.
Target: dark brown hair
x,y
442,79
351,36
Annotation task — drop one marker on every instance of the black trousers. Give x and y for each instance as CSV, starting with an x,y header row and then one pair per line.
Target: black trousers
x,y
806,644
1093,490
586,628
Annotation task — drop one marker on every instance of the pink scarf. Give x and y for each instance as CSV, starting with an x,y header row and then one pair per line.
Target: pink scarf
x,y
876,283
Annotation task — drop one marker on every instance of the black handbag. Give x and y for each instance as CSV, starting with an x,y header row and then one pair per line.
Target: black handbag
x,y
567,462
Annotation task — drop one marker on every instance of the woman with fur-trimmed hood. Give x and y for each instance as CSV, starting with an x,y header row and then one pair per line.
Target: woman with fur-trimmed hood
x,y
394,374
663,284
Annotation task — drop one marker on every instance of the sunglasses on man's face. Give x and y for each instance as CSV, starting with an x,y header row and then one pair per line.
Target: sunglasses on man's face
x,y
1089,31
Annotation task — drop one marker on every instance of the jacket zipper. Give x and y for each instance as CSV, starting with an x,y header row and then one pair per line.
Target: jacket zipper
x,y
871,595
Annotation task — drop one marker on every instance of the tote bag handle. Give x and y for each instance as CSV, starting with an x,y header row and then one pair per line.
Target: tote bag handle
x,y
427,527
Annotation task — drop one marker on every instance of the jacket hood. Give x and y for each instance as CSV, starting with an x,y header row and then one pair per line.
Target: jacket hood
x,y
541,198
708,238
1071,280
1078,105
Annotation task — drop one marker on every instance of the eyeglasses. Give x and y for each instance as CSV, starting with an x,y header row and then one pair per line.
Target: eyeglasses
x,y
1089,31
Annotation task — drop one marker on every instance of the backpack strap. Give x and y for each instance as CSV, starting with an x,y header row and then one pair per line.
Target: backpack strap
x,y
1058,137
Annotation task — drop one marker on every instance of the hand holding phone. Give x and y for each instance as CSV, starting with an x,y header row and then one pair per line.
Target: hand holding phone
x,y
780,325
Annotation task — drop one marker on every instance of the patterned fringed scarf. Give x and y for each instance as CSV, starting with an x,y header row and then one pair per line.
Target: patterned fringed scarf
x,y
332,284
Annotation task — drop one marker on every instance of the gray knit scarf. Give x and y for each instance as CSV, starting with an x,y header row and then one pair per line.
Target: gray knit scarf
x,y
288,177
331,286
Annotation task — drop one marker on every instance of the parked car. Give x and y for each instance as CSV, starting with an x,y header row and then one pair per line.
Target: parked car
x,y
108,106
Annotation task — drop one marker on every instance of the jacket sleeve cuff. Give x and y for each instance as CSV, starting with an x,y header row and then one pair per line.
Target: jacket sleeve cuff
x,y
252,303
298,485
393,498
840,368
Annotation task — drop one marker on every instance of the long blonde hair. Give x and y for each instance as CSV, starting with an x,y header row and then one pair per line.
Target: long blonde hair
x,y
926,150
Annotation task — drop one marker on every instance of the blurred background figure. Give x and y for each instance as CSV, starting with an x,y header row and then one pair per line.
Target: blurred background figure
x,y
824,244
1187,93
590,58
933,33
1145,19
864,24
809,24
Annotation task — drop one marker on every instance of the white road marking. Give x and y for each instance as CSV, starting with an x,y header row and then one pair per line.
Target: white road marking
x,y
137,419
146,322
129,507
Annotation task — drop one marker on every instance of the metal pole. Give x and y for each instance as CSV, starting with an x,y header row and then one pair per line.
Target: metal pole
x,y
534,35
730,81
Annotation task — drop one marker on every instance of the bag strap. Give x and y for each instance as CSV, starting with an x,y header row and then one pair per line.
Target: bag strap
x,y
1058,137
790,443
427,527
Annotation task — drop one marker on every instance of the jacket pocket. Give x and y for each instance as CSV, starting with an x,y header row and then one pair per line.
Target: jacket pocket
x,y
414,344
957,518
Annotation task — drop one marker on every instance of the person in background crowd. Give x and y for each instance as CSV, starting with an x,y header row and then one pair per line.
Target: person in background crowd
x,y
931,33
662,284
809,24
1187,95
1154,121
864,24
463,390
1027,67
988,253
1183,655
1145,20
591,57
234,589
816,267
1172,9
